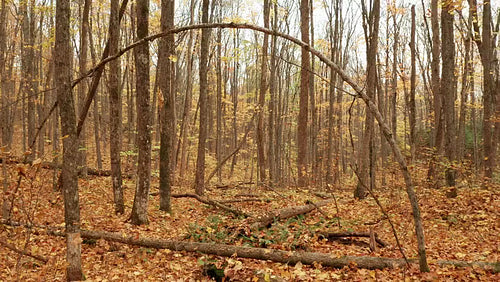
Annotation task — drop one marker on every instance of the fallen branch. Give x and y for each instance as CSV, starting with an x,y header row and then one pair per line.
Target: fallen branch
x,y
339,235
270,254
212,203
243,200
22,252
285,213
51,165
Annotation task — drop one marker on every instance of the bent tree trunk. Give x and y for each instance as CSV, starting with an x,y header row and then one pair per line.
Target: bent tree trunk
x,y
410,188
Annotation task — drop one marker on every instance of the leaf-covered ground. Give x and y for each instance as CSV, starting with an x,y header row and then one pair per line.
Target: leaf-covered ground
x,y
463,228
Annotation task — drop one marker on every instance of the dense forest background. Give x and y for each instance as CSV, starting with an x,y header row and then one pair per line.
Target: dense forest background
x,y
113,109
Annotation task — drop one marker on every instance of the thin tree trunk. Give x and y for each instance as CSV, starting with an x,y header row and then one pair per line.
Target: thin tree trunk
x,y
218,140
448,87
302,126
70,142
261,159
366,155
413,80
203,99
4,113
167,122
27,62
140,208
82,87
185,125
115,109
436,80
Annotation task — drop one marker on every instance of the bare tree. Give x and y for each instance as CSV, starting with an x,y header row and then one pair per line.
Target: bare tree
x,y
203,99
448,86
82,87
366,156
115,106
70,142
27,68
261,160
140,207
302,128
166,83
413,79
485,46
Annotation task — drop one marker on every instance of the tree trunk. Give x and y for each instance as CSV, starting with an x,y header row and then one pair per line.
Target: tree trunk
x,y
115,109
261,159
4,113
413,80
70,142
464,93
448,87
27,62
140,207
366,164
485,46
166,83
219,107
82,87
203,99
182,147
436,80
302,127
273,148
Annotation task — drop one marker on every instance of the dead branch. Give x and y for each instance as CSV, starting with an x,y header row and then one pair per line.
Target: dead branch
x,y
338,235
243,200
23,252
285,213
51,165
212,203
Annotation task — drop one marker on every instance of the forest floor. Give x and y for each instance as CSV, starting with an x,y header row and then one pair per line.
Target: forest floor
x,y
464,228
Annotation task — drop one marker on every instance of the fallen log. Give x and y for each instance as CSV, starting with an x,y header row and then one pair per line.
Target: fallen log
x,y
287,212
287,257
338,235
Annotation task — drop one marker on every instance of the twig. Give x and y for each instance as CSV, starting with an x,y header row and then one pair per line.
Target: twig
x,y
23,252
212,203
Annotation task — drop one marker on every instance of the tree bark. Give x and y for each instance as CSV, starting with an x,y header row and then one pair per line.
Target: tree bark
x,y
448,87
4,114
203,99
82,87
140,208
27,67
70,142
413,80
182,147
167,122
261,159
436,80
302,127
367,147
485,46
115,109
